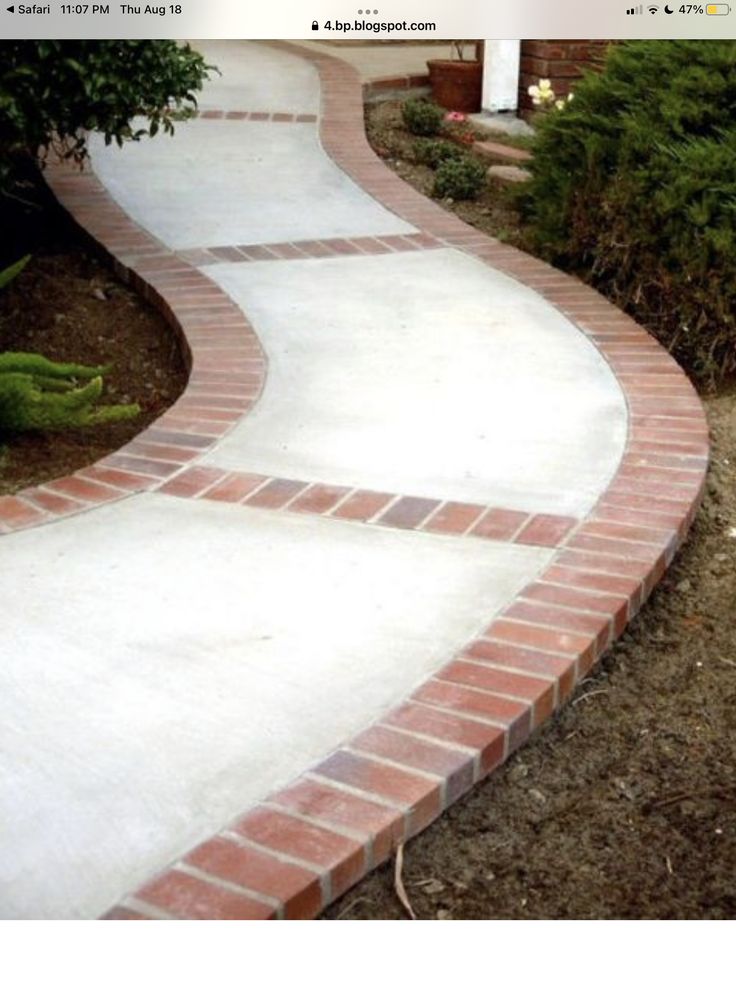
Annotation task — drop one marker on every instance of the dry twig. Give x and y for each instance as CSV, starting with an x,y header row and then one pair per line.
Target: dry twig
x,y
714,793
590,694
399,882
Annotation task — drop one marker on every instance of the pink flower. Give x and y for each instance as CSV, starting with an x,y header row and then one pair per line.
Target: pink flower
x,y
455,117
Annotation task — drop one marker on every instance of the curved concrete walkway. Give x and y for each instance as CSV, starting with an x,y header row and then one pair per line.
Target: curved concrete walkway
x,y
416,485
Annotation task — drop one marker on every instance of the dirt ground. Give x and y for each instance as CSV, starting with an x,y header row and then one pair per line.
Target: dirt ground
x,y
624,805
68,306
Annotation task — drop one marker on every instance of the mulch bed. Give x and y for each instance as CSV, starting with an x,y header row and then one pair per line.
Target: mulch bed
x,y
623,805
68,306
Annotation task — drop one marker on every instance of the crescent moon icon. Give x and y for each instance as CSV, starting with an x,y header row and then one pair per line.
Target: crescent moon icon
x,y
667,9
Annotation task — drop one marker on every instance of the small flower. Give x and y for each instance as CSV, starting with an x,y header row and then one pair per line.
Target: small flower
x,y
542,94
455,117
560,104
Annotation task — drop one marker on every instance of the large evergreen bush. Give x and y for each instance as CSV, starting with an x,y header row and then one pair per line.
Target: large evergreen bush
x,y
635,182
52,92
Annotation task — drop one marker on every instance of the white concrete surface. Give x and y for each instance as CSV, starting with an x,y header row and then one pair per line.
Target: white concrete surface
x,y
167,663
424,373
218,182
382,60
256,78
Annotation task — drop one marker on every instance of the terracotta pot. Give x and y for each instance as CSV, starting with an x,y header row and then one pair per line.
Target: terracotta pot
x,y
456,85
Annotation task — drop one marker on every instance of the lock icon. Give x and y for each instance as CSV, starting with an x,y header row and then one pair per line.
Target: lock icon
x,y
315,25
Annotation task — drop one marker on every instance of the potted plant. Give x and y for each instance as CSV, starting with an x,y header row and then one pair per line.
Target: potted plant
x,y
457,83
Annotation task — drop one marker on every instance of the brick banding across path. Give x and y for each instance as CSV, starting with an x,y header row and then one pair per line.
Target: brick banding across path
x,y
321,248
370,506
306,844
242,115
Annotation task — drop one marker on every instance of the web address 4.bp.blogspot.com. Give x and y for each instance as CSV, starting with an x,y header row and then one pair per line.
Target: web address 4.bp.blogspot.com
x,y
378,27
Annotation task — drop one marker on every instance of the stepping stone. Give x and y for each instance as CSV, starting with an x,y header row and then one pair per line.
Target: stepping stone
x,y
501,153
508,174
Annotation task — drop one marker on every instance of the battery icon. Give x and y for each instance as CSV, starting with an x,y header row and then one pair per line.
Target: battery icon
x,y
717,9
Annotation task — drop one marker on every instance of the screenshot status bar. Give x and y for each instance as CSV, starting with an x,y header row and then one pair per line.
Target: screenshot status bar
x,y
352,20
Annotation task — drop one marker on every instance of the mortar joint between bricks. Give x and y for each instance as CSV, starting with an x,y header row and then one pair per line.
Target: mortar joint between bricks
x,y
376,518
422,524
551,628
366,795
318,822
397,765
241,839
514,670
136,905
195,872
468,751
471,716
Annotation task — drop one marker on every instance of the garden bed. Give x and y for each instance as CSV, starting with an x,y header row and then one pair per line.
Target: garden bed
x,y
493,212
68,306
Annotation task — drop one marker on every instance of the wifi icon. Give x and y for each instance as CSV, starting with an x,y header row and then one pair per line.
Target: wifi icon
x,y
653,9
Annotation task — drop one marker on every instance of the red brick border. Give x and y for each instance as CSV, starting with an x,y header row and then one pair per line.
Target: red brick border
x,y
225,359
394,83
306,844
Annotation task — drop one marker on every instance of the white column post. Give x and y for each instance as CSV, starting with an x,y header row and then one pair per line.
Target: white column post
x,y
501,75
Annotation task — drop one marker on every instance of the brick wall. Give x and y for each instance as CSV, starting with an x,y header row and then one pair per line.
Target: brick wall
x,y
560,61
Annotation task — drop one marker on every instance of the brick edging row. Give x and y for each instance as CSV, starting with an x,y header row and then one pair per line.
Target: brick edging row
x,y
225,360
306,844
394,83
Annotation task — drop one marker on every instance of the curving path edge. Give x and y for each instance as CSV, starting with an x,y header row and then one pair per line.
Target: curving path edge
x,y
305,845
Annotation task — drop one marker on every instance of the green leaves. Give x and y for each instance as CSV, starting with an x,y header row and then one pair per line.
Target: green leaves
x,y
422,118
8,274
36,393
634,185
51,92
460,180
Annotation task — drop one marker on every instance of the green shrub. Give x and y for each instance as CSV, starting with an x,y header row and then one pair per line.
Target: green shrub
x,y
436,152
422,118
460,180
51,92
36,393
635,183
